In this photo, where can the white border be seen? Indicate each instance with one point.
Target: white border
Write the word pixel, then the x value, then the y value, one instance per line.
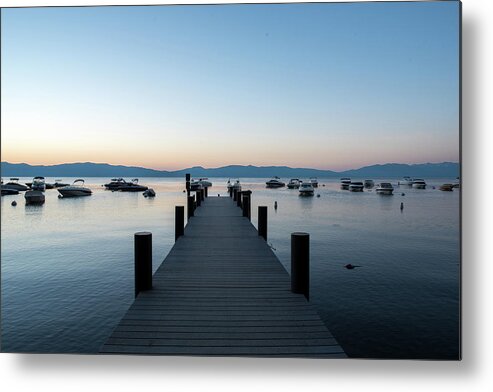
pixel 136 374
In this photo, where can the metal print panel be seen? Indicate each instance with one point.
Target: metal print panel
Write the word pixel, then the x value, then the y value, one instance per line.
pixel 260 180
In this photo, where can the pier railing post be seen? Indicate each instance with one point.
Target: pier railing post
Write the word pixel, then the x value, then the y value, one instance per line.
pixel 190 206
pixel 235 193
pixel 239 196
pixel 262 221
pixel 198 199
pixel 143 261
pixel 246 205
pixel 206 191
pixel 300 264
pixel 187 183
pixel 179 221
pixel 230 190
pixel 202 193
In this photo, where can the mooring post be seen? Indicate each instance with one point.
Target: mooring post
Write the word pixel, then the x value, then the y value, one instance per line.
pixel 246 205
pixel 230 190
pixel 262 221
pixel 202 193
pixel 239 197
pixel 300 264
pixel 179 221
pixel 206 191
pixel 143 261
pixel 190 207
pixel 187 183
pixel 235 192
pixel 198 198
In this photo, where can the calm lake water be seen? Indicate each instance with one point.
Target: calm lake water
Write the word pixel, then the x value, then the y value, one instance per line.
pixel 67 266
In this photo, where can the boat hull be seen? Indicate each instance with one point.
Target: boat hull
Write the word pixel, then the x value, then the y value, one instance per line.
pixel 306 193
pixel 356 189
pixel 34 197
pixel 74 192
pixel 385 191
pixel 419 186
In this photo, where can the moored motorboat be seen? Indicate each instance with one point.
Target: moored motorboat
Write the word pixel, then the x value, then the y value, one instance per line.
pixel 384 188
pixel 200 183
pixel 14 184
pixel 38 184
pixel 356 186
pixel 115 183
pixel 314 182
pixel 446 187
pixel 34 197
pixel 149 193
pixel 132 186
pixel 419 183
pixel 369 184
pixel 306 189
pixel 294 183
pixel 8 191
pixel 405 181
pixel 58 184
pixel 275 182
pixel 75 190
pixel 237 185
pixel 345 181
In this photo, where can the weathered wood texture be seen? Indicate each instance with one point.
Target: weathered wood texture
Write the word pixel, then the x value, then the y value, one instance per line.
pixel 221 291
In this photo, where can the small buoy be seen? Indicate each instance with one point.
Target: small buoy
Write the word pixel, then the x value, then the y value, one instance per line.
pixel 184 190
pixel 403 194
pixel 402 206
pixel 318 195
pixel 60 196
pixel 275 205
pixel 323 184
pixel 432 187
pixel 14 203
pixel 350 266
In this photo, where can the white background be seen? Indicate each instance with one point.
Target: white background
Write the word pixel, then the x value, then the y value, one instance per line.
pixel 473 373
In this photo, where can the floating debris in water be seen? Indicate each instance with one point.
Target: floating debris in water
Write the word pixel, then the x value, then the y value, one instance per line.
pixel 275 205
pixel 350 266
pixel 402 206
pixel 14 203
pixel 403 194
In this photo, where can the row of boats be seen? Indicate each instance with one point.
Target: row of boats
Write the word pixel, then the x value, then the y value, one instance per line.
pixel 35 189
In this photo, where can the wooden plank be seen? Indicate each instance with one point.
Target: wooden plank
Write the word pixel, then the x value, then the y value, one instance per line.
pixel 222 291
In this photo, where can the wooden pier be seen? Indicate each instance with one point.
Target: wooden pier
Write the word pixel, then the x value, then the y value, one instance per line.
pixel 221 291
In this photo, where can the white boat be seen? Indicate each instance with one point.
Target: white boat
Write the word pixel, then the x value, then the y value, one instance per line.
pixel 14 184
pixel 306 189
pixel 345 181
pixel 314 182
pixel 294 183
pixel 385 188
pixel 419 183
pixel 369 184
pixel 275 182
pixel 34 197
pixel 38 184
pixel 356 186
pixel 236 185
pixel 405 181
pixel 75 190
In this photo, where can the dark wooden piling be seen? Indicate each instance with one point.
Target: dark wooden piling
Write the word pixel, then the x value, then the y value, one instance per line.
pixel 143 261
pixel 190 206
pixel 235 193
pixel 198 198
pixel 246 206
pixel 206 190
pixel 230 191
pixel 300 264
pixel 179 221
pixel 187 183
pixel 239 196
pixel 262 221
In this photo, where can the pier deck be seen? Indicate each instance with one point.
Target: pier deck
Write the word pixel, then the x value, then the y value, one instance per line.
pixel 221 291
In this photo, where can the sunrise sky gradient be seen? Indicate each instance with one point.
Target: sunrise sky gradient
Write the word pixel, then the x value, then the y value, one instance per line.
pixel 329 86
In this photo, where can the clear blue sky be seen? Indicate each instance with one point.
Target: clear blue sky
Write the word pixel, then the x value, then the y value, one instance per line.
pixel 332 86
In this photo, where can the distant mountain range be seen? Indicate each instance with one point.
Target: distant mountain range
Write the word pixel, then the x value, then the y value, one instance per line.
pixel 89 169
